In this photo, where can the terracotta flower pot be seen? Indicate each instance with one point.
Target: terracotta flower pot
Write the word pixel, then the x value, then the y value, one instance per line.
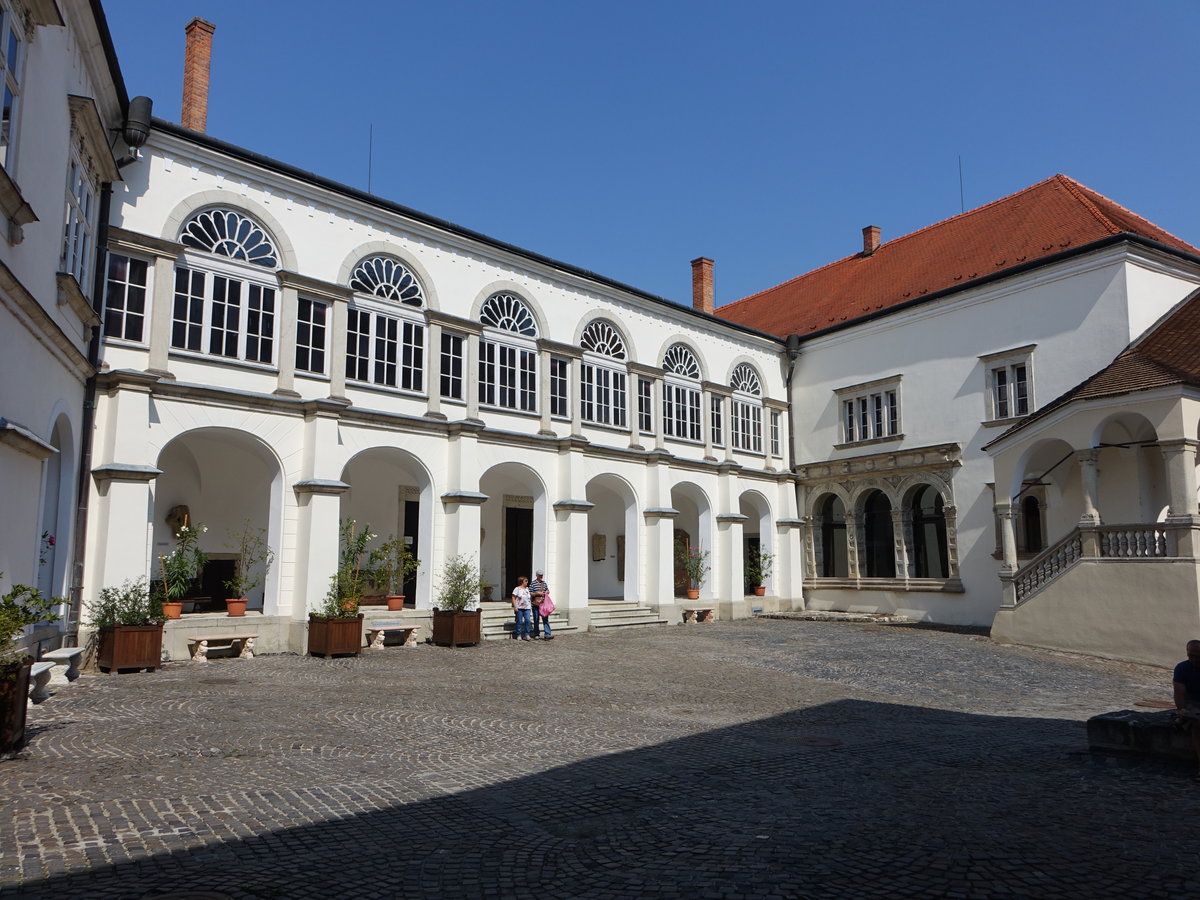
pixel 395 602
pixel 236 606
pixel 172 609
pixel 760 591
pixel 693 594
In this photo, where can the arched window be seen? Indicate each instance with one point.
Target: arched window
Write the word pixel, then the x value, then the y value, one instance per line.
pixel 224 302
pixel 681 393
pixel 508 360
pixel 930 558
pixel 602 383
pixel 385 335
pixel 879 546
pixel 746 409
pixel 834 557
pixel 387 278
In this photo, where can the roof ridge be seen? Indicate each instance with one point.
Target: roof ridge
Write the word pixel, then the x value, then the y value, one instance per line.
pixel 897 240
pixel 1074 189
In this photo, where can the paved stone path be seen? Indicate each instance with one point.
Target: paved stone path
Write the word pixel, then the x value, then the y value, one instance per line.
pixel 748 759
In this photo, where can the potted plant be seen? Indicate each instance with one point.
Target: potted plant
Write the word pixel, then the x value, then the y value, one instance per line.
pixel 694 562
pixel 129 623
pixel 337 627
pixel 392 564
pixel 457 617
pixel 758 569
pixel 179 569
pixel 254 561
pixel 21 607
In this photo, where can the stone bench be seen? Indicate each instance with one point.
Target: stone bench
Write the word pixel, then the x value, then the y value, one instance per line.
pixel 699 614
pixel 39 681
pixel 1139 732
pixel 66 660
pixel 242 644
pixel 379 630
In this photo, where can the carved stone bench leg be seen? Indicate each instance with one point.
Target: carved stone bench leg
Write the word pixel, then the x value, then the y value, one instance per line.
pixel 689 616
pixel 41 686
pixel 706 615
pixel 200 654
pixel 410 638
pixel 377 640
pixel 247 651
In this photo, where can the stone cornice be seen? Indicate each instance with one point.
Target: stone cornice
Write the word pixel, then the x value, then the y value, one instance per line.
pixel 732 517
pixel 103 475
pixel 86 122
pixel 71 295
pixel 559 348
pixel 320 486
pixel 126 241
pixel 30 313
pixel 323 290
pixel 15 208
pixel 660 512
pixel 719 390
pixel 24 441
pixel 455 323
pixel 464 498
pixel 573 506
pixel 43 12
pixel 939 456
pixel 636 368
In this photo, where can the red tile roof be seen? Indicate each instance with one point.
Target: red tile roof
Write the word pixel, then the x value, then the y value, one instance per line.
pixel 1053 216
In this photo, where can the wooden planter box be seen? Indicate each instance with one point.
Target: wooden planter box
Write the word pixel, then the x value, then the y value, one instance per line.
pixel 14 691
pixel 130 647
pixel 453 629
pixel 333 637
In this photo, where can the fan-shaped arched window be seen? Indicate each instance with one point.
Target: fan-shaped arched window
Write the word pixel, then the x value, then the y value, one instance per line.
pixel 602 385
pixel 508 312
pixel 747 409
pixel 388 279
pixel 508 368
pixel 221 309
pixel 227 232
pixel 602 338
pixel 679 360
pixel 681 396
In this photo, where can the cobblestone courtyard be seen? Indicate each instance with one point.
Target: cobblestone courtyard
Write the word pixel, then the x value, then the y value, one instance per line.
pixel 750 759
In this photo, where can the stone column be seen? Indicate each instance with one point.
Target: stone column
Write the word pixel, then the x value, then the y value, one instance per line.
pixel 852 544
pixel 544 427
pixel 433 357
pixel 1180 459
pixel 573 388
pixel 289 310
pixel 730 564
pixel 727 423
pixel 1008 537
pixel 706 423
pixel 319 516
pixel 1090 477
pixel 951 513
pixel 901 535
pixel 656 412
pixel 337 349
pixel 162 313
pixel 471 377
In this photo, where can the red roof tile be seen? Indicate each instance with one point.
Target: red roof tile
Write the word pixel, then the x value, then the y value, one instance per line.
pixel 1053 216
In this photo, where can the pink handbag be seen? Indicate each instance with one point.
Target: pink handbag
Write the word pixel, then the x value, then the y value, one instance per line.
pixel 547 606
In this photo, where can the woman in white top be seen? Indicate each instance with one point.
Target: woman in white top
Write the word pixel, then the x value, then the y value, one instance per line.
pixel 522 607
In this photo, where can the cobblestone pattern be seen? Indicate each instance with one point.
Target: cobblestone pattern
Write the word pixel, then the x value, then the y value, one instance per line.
pixel 747 759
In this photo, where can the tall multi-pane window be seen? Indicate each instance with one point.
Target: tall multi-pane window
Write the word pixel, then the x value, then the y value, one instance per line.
pixel 1010 391
pixel 125 298
pixel 776 437
pixel 80 228
pixel 681 393
pixel 223 305
pixel 312 317
pixel 871 411
pixel 645 413
pixel 507 354
pixel 385 340
pixel 558 387
pixel 715 425
pixel 746 411
pixel 12 52
pixel 602 381
pixel 452 366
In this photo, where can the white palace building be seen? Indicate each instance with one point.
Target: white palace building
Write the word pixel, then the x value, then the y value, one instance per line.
pixel 220 331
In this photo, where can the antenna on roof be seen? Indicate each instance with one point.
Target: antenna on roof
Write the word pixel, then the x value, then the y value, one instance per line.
pixel 370 153
pixel 962 203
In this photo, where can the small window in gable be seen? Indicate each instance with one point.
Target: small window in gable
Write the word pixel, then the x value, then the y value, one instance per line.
pixel 227 232
pixel 387 278
pixel 508 312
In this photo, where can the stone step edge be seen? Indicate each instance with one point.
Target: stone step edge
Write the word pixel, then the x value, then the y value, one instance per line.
pixel 831 616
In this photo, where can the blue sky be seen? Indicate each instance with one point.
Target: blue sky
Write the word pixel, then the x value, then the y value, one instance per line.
pixel 628 138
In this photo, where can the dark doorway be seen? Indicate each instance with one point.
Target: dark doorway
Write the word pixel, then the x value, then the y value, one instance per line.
pixel 683 543
pixel 877 533
pixel 518 547
pixel 212 593
pixel 412 537
pixel 749 551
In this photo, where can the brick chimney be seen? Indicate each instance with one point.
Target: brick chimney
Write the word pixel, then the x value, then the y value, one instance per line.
pixel 870 239
pixel 702 284
pixel 196 58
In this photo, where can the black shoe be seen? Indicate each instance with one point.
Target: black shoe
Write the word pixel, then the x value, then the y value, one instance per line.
pixel 548 637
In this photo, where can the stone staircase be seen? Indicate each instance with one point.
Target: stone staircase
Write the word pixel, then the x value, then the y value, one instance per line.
pixel 606 615
pixel 612 614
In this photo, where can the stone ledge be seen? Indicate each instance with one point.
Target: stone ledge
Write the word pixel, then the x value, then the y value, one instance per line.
pixel 1139 732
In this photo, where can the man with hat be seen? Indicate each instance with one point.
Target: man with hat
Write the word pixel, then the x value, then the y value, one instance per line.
pixel 537 592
